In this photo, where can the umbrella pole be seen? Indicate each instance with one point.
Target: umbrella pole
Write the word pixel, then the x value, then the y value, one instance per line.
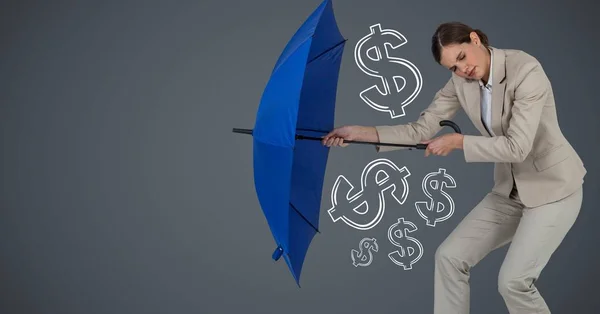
pixel 409 146
pixel 314 138
pixel 442 123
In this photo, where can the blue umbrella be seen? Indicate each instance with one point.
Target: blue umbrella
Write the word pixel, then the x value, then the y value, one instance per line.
pixel 298 103
pixel 299 100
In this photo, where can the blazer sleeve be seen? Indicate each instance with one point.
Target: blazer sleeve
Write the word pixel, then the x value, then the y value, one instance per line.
pixel 531 96
pixel 444 106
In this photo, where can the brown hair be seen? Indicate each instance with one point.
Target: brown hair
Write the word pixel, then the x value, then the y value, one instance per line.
pixel 453 33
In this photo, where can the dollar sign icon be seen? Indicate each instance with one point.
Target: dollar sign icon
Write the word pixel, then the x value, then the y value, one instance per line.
pixel 361 258
pixel 400 79
pixel 440 206
pixel 410 249
pixel 379 179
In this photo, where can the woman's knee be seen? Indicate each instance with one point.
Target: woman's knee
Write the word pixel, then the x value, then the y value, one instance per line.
pixel 511 281
pixel 507 283
pixel 447 251
pixel 448 260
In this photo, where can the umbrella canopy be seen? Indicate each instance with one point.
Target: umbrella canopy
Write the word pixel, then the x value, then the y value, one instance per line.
pixel 298 103
pixel 299 99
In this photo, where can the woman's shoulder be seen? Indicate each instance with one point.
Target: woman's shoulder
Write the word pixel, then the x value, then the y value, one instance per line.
pixel 517 59
pixel 519 63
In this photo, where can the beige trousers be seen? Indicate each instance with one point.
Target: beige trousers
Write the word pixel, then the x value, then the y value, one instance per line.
pixel 535 234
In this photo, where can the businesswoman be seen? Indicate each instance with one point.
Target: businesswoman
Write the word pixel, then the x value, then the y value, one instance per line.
pixel 538 176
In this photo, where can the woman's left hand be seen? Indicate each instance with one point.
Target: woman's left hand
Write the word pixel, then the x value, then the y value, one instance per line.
pixel 443 145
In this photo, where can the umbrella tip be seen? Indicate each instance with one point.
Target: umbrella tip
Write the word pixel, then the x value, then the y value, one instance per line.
pixel 278 252
pixel 243 131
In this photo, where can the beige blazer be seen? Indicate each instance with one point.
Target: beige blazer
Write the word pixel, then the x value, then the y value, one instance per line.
pixel 529 145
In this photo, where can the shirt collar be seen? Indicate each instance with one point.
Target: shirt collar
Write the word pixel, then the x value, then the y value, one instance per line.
pixel 489 83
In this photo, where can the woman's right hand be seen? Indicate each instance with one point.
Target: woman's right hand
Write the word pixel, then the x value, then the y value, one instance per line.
pixel 337 136
pixel 349 133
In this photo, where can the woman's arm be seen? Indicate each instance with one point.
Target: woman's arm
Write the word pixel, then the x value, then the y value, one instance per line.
pixel 444 106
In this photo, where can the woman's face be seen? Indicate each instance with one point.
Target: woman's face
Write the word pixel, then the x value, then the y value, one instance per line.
pixel 468 60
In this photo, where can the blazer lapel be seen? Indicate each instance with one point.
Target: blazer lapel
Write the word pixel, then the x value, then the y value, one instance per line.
pixel 498 87
pixel 473 99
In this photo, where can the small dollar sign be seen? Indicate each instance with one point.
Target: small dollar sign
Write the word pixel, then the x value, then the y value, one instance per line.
pixel 373 56
pixel 378 179
pixel 409 247
pixel 440 206
pixel 361 258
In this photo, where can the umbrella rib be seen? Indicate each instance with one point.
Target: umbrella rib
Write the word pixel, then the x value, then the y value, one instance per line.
pixel 299 213
pixel 326 51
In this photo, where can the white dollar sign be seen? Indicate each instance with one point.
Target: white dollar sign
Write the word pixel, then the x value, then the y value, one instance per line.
pixel 360 258
pixel 440 206
pixel 409 253
pixel 379 180
pixel 372 55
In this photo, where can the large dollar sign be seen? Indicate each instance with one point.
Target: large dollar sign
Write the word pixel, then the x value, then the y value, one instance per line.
pixel 373 56
pixel 378 179
pixel 410 249
pixel 440 206
pixel 361 258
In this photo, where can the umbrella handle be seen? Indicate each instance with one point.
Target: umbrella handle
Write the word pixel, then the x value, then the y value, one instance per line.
pixel 443 123
pixel 451 124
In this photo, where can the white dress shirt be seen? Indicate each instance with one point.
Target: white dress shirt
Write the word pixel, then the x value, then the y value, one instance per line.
pixel 486 100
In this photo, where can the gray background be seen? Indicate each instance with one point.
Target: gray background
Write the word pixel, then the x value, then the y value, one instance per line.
pixel 124 190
